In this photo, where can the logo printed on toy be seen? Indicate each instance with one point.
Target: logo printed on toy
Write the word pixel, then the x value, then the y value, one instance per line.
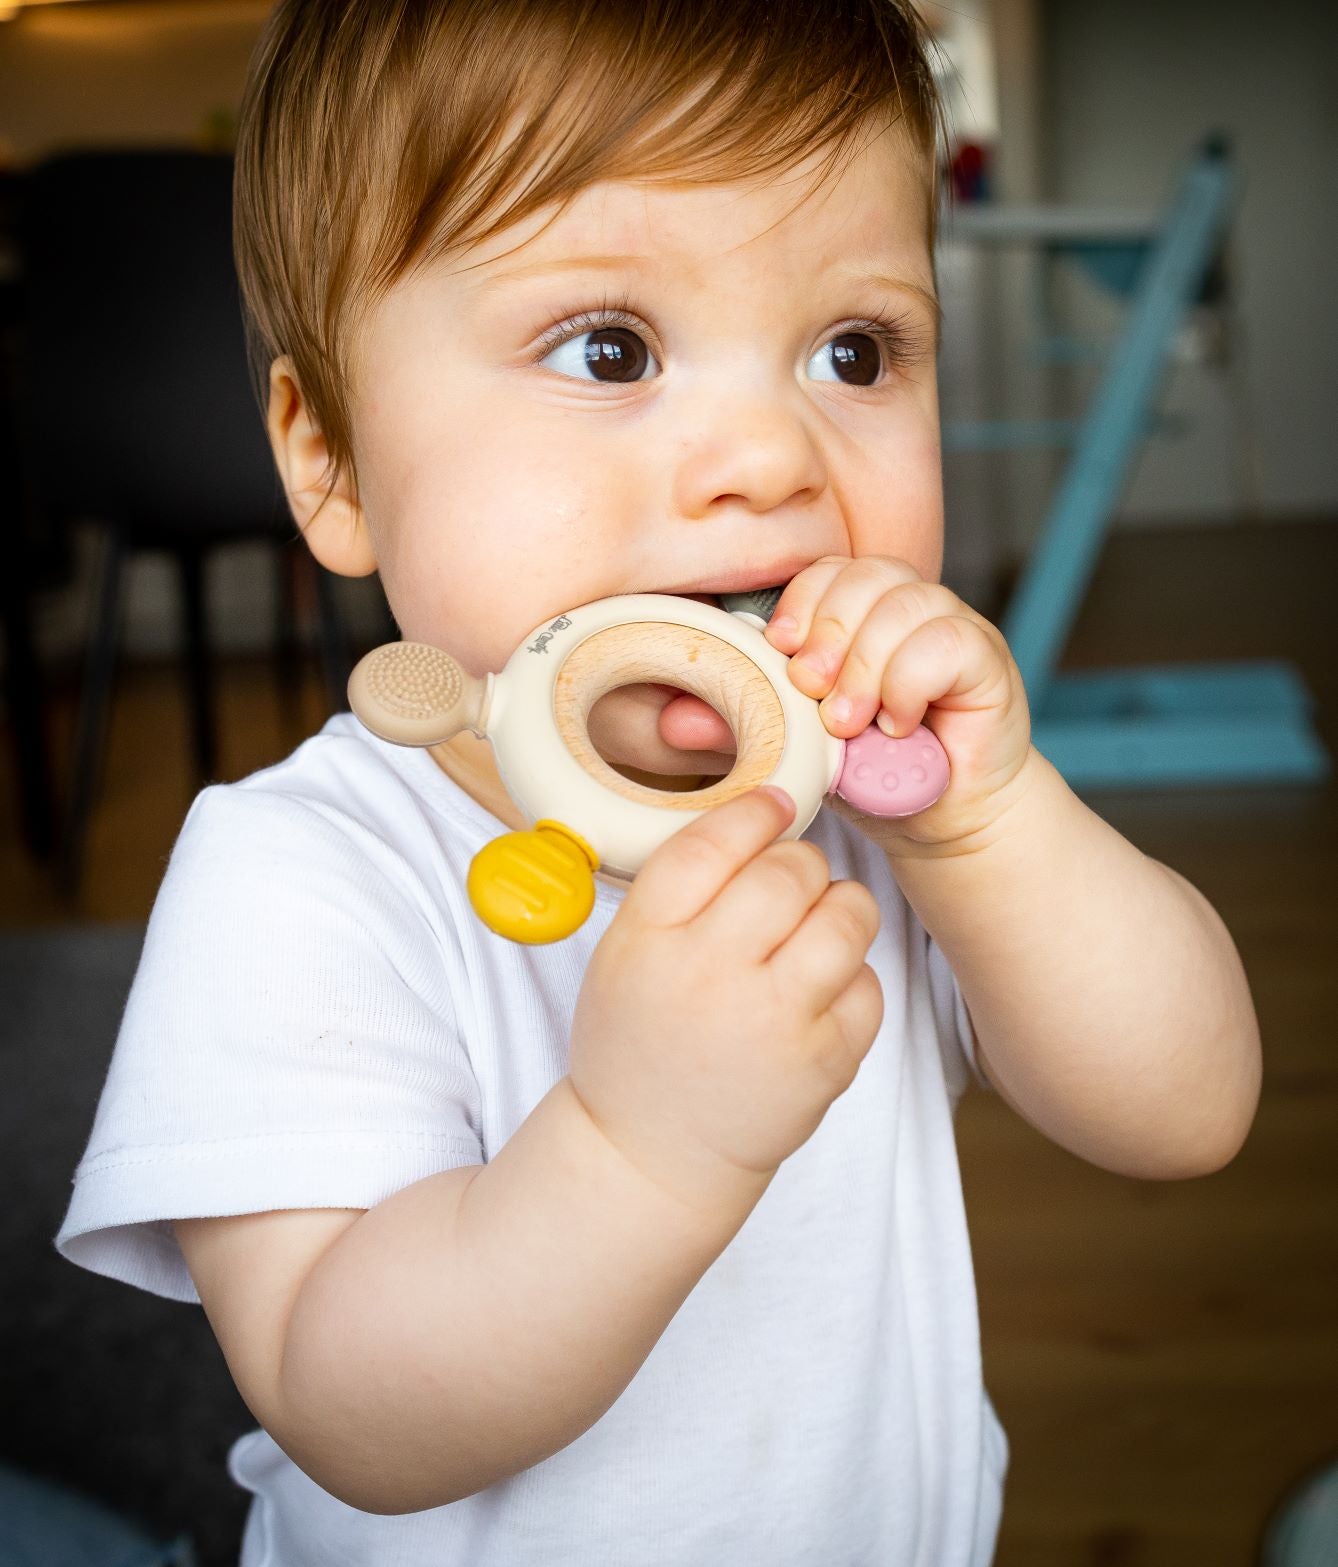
pixel 540 643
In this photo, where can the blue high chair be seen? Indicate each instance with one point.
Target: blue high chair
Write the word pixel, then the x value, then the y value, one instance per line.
pixel 1144 725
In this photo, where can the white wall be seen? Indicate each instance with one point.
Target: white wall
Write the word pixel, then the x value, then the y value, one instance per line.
pixel 1130 88
pixel 994 499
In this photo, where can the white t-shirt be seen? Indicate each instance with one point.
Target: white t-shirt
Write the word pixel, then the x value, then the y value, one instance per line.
pixel 319 1020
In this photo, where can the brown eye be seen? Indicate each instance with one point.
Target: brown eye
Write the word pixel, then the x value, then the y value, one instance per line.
pixel 609 352
pixel 615 354
pixel 855 358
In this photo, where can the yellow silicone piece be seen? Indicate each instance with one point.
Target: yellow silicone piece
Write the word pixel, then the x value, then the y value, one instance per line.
pixel 534 886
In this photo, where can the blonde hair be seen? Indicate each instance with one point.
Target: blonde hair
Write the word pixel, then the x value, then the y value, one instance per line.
pixel 376 134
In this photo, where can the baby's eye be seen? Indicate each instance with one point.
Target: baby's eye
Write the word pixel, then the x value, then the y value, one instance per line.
pixel 608 353
pixel 856 358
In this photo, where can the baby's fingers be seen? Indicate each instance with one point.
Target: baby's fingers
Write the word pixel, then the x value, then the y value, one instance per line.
pixel 824 956
pixel 829 614
pixel 854 1017
pixel 853 702
pixel 767 901
pixel 688 870
pixel 952 661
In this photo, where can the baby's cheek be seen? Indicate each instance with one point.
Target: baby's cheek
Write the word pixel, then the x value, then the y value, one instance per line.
pixel 901 514
pixel 451 603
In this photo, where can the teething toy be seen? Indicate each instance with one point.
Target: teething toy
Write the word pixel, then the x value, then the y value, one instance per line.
pixel 538 886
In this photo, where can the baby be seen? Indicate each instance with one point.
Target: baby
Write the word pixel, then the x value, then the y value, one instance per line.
pixel 645 1248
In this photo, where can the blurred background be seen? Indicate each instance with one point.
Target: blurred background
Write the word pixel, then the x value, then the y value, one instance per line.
pixel 1139 380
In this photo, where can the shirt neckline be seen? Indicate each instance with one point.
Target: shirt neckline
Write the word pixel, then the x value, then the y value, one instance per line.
pixel 429 782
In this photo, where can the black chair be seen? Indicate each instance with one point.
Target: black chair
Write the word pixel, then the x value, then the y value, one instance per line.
pixel 137 411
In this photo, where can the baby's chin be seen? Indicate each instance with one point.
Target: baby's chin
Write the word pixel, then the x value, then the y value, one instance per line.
pixel 663 737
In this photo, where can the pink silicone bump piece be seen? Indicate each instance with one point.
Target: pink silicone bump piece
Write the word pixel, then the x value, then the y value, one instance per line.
pixel 887 777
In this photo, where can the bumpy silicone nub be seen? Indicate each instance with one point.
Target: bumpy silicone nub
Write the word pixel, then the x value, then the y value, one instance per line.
pixel 535 886
pixel 413 694
pixel 888 777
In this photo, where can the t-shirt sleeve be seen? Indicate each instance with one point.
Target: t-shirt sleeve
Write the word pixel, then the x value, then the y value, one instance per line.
pixel 292 1038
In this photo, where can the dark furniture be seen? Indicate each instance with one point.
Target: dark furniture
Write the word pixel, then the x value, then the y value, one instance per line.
pixel 136 411
pixel 119 1395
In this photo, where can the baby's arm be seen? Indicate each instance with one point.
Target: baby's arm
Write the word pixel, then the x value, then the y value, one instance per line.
pixel 1110 1006
pixel 1109 1002
pixel 468 1326
pixel 481 1319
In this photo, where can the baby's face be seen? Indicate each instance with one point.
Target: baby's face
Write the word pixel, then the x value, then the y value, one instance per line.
pixel 673 389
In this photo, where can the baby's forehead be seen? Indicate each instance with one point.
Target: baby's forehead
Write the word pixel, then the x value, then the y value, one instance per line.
pixel 874 207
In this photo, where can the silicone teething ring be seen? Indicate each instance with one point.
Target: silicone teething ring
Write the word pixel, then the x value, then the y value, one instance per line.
pixel 542 699
pixel 538 885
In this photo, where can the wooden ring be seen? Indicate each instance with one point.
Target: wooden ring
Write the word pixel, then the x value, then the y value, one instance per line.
pixel 703 664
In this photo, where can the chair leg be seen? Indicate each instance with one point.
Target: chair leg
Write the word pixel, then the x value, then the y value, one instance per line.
pixel 199 687
pixel 94 705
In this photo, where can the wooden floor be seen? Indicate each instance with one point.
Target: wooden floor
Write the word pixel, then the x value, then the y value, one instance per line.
pixel 1164 1357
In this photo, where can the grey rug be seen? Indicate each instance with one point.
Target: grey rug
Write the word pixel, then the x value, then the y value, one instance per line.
pixel 106 1389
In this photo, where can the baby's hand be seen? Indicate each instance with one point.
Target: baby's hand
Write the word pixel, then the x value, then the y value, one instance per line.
pixel 874 641
pixel 727 1004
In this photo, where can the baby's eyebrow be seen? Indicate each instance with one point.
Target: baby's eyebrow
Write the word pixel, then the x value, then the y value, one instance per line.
pixel 566 264
pixel 878 281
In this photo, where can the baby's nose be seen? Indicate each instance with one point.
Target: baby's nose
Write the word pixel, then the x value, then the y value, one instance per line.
pixel 757 455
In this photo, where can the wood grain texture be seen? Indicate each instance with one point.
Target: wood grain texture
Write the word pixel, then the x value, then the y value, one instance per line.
pixel 683 656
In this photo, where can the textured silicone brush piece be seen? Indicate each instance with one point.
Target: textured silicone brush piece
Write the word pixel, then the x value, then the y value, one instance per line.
pixel 413 694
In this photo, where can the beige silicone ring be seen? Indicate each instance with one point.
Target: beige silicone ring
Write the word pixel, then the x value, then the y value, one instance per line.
pixel 540 705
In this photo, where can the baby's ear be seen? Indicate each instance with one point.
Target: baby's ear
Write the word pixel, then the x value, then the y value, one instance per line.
pixel 328 518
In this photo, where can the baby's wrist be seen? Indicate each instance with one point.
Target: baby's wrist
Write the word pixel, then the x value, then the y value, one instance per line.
pixel 1010 810
pixel 706 1193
